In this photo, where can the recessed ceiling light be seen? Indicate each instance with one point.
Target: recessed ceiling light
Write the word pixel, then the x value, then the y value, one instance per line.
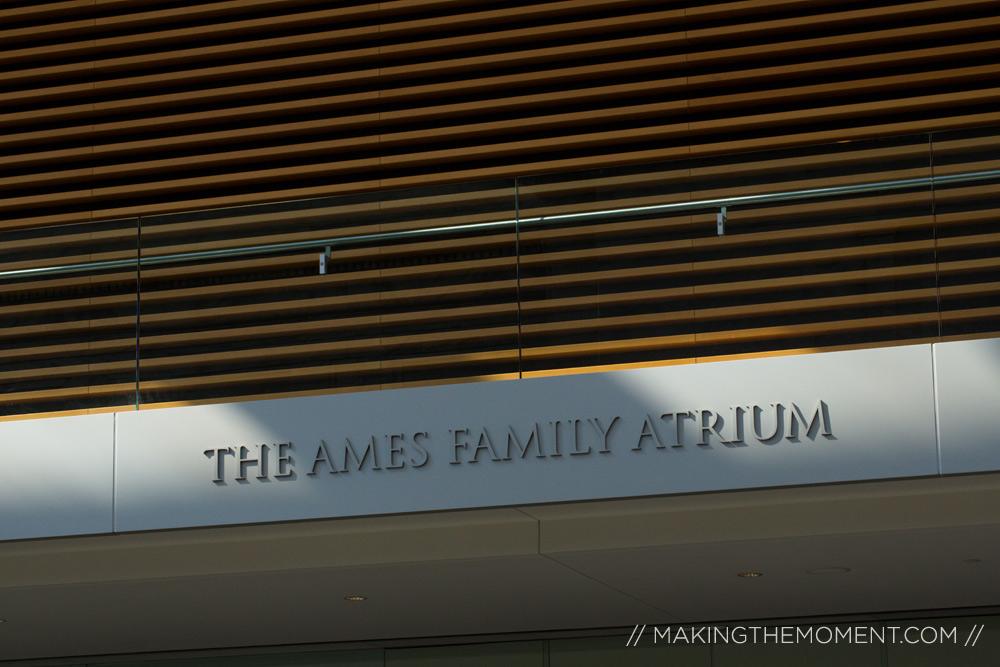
pixel 750 574
pixel 355 598
pixel 829 570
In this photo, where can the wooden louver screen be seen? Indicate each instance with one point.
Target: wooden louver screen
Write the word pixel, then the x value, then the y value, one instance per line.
pixel 122 108
pixel 624 289
pixel 137 113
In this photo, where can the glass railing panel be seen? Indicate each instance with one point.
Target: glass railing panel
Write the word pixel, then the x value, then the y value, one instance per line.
pixel 830 267
pixel 822 248
pixel 67 336
pixel 389 311
pixel 968 231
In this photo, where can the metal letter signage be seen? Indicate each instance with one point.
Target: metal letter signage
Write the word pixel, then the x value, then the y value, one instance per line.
pixel 728 425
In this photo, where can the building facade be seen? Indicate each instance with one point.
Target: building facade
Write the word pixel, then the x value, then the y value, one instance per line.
pixel 532 324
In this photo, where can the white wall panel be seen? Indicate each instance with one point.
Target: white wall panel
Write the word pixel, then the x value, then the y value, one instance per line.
pixel 967 376
pixel 56 476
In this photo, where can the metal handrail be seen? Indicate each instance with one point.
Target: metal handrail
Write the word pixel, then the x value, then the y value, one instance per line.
pixel 539 221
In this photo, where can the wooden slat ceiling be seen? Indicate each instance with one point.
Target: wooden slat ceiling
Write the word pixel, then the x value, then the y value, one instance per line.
pixel 117 110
